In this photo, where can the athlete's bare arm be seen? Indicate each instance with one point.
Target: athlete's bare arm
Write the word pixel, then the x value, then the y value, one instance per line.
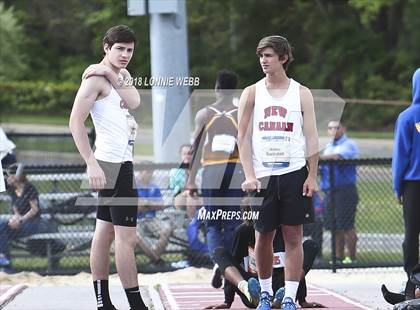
pixel 245 119
pixel 88 92
pixel 127 92
pixel 201 119
pixel 311 135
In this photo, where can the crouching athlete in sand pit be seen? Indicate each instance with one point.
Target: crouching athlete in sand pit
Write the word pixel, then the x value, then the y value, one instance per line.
pixel 240 272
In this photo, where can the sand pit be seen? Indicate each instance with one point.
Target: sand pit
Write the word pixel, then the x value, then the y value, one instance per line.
pixel 187 275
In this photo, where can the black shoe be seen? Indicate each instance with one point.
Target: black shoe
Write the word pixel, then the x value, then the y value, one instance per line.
pixel 217 280
pixel 390 297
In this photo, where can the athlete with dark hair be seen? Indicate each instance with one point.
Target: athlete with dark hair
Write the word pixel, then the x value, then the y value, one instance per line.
pixel 104 94
pixel 216 145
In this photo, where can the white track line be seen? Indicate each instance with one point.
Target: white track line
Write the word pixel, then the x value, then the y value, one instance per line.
pixel 198 293
pixel 190 286
pixel 10 294
pixel 345 299
pixel 156 300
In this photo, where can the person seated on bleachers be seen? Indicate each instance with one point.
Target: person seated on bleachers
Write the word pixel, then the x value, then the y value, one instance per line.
pixel 26 218
pixel 177 181
pixel 150 201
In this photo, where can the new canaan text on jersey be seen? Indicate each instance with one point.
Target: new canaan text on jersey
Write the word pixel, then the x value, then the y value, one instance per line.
pixel 275 126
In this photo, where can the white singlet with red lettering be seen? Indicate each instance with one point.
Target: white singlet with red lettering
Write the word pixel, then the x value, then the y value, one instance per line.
pixel 278 143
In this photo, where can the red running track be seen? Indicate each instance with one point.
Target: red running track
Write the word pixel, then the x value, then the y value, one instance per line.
pixel 198 296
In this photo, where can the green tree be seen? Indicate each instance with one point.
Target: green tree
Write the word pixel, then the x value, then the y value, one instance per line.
pixel 12 54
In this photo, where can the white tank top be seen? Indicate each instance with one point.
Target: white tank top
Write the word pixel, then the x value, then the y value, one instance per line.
pixel 115 129
pixel 278 143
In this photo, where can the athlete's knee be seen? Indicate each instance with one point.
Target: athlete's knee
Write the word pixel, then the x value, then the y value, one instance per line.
pixel 104 237
pixel 292 241
pixel 292 235
pixel 128 238
pixel 264 237
pixel 131 241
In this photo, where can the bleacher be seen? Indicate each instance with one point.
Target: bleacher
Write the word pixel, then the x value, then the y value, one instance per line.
pixel 76 226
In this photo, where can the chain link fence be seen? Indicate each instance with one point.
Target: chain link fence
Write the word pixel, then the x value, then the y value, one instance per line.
pixel 62 246
pixel 62 243
pixel 368 212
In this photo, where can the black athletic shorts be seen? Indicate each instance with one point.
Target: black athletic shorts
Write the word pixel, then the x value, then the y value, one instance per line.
pixel 118 201
pixel 283 202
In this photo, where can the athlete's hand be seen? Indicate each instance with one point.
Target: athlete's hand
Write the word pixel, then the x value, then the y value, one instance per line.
pixel 96 69
pixel 251 185
pixel 311 304
pixel 124 78
pixel 14 221
pixel 219 306
pixel 125 74
pixel 192 189
pixel 309 187
pixel 96 176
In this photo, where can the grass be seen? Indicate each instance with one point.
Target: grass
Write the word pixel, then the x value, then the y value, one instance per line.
pixel 372 257
pixel 378 210
pixel 371 134
pixel 62 145
pixel 36 119
pixel 66 145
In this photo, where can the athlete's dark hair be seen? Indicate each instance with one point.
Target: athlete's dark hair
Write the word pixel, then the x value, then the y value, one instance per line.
pixel 119 34
pixel 281 47
pixel 226 79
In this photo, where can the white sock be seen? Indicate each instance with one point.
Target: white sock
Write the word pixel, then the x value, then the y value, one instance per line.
pixel 266 285
pixel 215 267
pixel 290 289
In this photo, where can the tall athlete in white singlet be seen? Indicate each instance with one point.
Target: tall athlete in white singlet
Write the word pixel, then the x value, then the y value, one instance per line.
pixel 278 147
pixel 107 98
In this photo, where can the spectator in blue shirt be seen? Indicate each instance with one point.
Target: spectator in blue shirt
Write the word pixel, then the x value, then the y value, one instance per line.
pixel 150 201
pixel 341 191
pixel 406 173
